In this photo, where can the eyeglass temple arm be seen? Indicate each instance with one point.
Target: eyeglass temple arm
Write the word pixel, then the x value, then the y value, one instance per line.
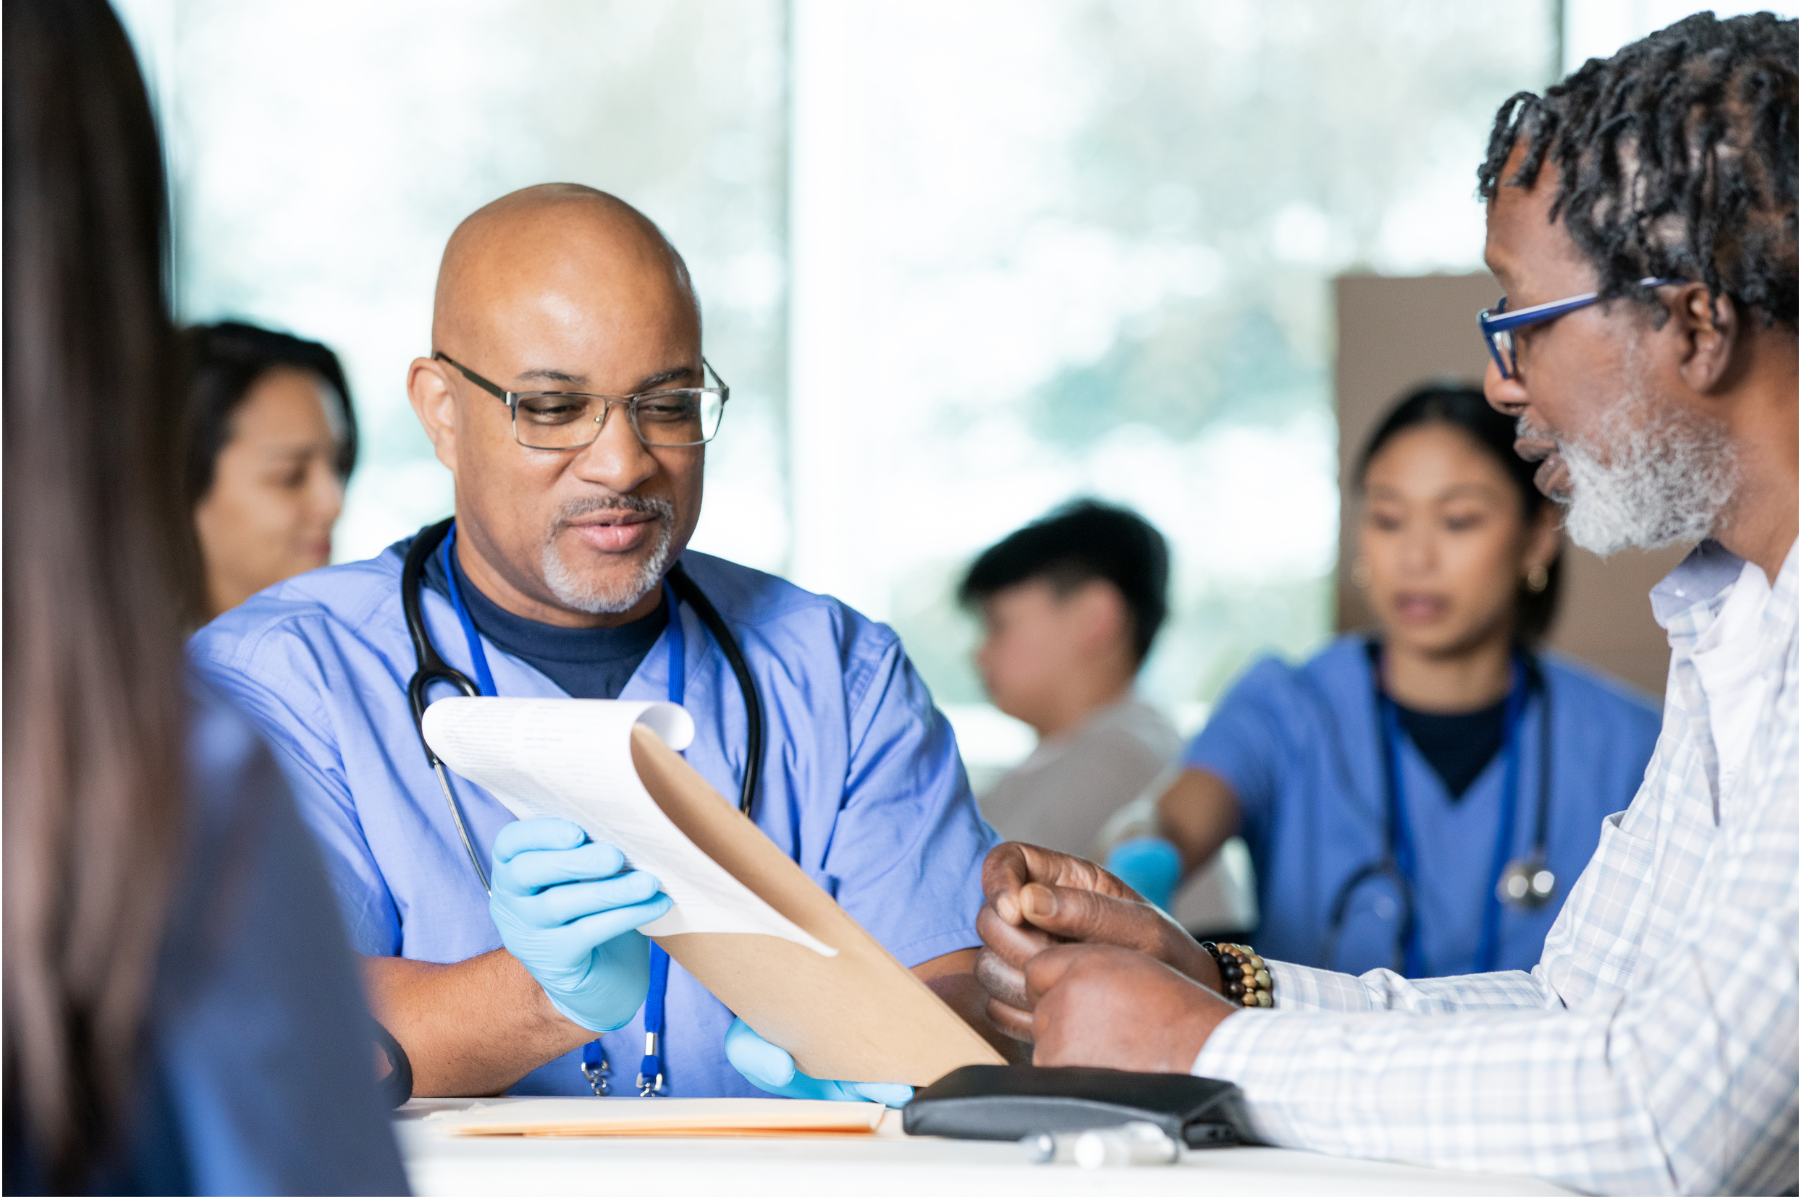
pixel 724 388
pixel 1501 322
pixel 492 389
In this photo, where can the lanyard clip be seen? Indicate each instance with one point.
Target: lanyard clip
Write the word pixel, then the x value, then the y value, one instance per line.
pixel 650 1076
pixel 595 1067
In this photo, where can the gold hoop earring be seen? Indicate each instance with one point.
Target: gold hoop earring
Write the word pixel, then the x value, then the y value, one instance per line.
pixel 1360 574
pixel 1537 579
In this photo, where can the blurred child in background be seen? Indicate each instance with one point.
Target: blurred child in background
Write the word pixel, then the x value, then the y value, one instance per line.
pixel 1070 605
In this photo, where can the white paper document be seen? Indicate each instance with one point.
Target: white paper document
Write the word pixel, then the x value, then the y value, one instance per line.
pixel 572 759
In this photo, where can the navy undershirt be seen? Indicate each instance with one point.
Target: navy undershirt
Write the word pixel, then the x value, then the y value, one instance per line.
pixel 1458 746
pixel 589 664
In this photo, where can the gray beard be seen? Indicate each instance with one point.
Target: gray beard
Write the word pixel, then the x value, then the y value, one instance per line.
pixel 583 595
pixel 1655 475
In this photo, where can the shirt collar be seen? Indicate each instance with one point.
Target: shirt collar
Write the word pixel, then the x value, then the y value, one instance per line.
pixel 1701 577
pixel 1691 595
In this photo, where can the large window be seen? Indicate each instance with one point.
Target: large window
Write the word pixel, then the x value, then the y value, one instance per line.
pixel 1084 248
pixel 960 261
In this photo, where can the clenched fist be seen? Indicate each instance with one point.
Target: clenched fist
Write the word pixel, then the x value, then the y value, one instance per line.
pixel 1038 899
pixel 1105 1006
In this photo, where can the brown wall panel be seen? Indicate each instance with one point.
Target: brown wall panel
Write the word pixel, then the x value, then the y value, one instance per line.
pixel 1393 333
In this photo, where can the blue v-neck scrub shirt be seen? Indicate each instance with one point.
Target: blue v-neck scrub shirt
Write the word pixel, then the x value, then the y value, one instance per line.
pixel 1301 747
pixel 861 785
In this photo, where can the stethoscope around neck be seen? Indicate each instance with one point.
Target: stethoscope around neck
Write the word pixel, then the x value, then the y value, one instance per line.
pixel 432 670
pixel 1525 883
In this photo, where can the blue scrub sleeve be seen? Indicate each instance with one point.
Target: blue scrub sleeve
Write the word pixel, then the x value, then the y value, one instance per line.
pixel 1249 742
pixel 279 681
pixel 906 854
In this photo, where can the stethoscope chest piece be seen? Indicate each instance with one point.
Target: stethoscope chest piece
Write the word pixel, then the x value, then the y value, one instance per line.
pixel 1526 883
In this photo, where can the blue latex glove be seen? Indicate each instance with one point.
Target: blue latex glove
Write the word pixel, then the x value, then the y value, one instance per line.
pixel 772 1069
pixel 1151 866
pixel 564 910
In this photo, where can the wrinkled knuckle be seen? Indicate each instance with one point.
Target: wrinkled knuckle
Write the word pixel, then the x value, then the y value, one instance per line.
pixel 998 977
pixel 1016 952
pixel 1090 908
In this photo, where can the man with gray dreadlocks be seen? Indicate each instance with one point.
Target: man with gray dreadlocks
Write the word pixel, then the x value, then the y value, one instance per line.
pixel 1641 218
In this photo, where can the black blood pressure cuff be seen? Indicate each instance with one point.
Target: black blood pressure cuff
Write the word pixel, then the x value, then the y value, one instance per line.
pixel 1008 1103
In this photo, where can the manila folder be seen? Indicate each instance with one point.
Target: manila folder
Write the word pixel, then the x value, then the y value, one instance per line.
pixel 859 1015
pixel 747 922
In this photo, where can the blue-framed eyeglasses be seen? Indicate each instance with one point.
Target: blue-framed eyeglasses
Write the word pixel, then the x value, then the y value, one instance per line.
pixel 1497 325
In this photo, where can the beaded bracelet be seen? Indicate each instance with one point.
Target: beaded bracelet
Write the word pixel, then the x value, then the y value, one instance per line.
pixel 1243 975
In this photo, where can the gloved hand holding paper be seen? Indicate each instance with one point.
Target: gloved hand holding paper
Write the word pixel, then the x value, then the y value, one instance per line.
pixel 745 920
pixel 571 759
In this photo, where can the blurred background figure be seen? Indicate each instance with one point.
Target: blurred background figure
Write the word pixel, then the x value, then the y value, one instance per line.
pixel 1420 797
pixel 181 1011
pixel 271 440
pixel 1069 606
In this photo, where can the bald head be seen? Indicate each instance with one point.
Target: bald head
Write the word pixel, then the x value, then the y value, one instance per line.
pixel 562 289
pixel 549 238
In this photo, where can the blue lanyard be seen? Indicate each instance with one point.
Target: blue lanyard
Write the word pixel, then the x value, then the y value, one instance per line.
pixel 650 1072
pixel 593 1055
pixel 1487 953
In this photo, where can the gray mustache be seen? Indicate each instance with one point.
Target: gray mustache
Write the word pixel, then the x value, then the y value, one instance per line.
pixel 655 505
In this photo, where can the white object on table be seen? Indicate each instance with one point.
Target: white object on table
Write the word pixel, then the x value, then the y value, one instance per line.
pixel 886 1163
pixel 1133 1144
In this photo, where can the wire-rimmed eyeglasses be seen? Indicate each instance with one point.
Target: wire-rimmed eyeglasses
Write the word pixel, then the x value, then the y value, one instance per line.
pixel 571 420
pixel 1497 325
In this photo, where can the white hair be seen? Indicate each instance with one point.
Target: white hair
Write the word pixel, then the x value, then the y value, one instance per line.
pixel 594 596
pixel 1650 475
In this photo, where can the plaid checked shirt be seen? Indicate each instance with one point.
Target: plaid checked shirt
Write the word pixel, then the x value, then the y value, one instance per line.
pixel 1653 1047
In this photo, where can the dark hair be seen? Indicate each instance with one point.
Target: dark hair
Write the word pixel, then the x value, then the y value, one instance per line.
pixel 225 361
pixel 1465 408
pixel 1082 541
pixel 96 548
pixel 1676 159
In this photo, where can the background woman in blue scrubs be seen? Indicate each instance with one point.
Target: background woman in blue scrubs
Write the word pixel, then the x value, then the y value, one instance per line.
pixel 182 1014
pixel 269 443
pixel 1458 555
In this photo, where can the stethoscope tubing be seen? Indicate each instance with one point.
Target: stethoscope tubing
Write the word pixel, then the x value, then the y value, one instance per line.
pixel 432 669
pixel 1397 862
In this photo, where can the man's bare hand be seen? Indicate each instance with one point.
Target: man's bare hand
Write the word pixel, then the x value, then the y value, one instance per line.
pixel 1038 898
pixel 1105 1006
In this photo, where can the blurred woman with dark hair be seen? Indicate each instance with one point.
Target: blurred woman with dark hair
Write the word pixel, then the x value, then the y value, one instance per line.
pixel 181 1010
pixel 1419 797
pixel 271 439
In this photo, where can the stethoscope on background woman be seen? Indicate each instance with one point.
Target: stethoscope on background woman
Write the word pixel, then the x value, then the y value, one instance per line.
pixel 432 669
pixel 1525 883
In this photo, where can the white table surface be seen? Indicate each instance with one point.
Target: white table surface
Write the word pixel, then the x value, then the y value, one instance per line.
pixel 886 1164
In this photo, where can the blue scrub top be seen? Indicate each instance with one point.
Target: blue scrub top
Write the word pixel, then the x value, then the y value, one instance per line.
pixel 1301 747
pixel 861 782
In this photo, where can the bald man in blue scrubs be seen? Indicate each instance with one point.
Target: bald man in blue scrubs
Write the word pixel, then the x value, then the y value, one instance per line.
pixel 557 560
